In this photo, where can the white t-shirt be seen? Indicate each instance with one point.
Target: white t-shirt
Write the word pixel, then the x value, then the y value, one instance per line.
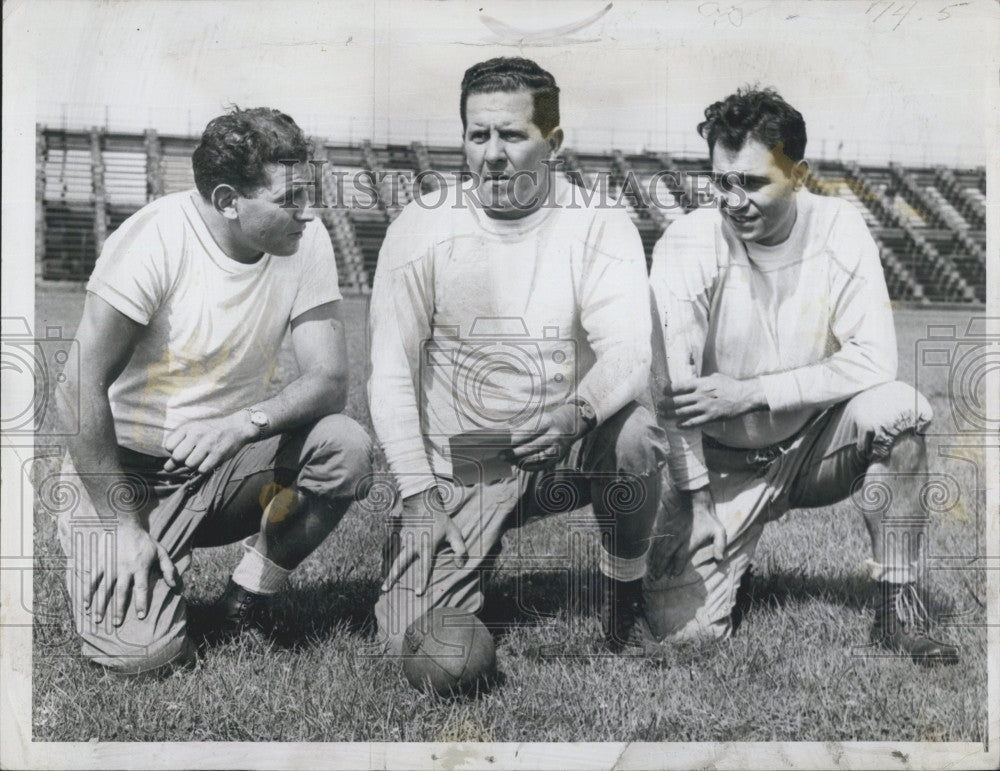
pixel 213 325
pixel 810 318
pixel 479 323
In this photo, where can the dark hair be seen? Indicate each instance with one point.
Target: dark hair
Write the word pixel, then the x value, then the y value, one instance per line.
pixel 760 114
pixel 511 73
pixel 236 147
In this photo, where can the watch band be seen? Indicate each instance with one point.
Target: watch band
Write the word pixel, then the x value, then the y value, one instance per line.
pixel 585 411
pixel 258 419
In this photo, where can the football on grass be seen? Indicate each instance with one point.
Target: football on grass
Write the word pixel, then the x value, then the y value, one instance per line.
pixel 448 652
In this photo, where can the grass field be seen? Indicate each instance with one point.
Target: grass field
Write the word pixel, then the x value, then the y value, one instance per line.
pixel 797 669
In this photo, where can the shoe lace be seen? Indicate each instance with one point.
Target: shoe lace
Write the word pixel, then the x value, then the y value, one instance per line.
pixel 910 609
pixel 638 632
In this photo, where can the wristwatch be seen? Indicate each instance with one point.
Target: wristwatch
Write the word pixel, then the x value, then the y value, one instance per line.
pixel 259 419
pixel 585 412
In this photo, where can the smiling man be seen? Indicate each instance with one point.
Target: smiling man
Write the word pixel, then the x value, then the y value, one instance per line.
pixel 781 353
pixel 187 436
pixel 509 360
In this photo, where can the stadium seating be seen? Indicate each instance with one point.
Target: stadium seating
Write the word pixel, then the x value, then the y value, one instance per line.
pixel 175 164
pixel 929 223
pixel 350 260
pixel 68 169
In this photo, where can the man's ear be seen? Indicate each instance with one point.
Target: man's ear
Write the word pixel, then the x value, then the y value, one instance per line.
pixel 800 172
pixel 555 139
pixel 224 201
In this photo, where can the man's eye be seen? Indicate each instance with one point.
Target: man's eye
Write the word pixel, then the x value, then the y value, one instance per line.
pixel 724 182
pixel 753 184
pixel 478 137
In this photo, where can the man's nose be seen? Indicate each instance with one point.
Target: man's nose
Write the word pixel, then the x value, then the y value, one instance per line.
pixel 734 198
pixel 495 154
pixel 304 211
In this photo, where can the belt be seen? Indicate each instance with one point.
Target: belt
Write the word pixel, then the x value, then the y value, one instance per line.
pixel 722 457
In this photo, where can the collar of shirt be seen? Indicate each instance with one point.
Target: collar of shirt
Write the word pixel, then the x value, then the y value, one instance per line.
pixel 792 249
pixel 558 197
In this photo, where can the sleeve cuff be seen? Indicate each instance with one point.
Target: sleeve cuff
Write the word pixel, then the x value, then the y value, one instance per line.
pixel 313 303
pixel 688 477
pixel 629 389
pixel 411 484
pixel 695 482
pixel 118 300
pixel 781 391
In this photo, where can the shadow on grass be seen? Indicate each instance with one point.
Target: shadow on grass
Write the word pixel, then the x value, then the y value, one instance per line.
pixel 784 588
pixel 529 598
pixel 306 615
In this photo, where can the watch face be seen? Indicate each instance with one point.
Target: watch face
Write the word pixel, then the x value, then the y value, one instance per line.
pixel 258 418
pixel 585 410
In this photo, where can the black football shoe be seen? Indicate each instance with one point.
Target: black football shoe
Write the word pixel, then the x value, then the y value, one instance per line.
pixel 235 613
pixel 623 620
pixel 902 624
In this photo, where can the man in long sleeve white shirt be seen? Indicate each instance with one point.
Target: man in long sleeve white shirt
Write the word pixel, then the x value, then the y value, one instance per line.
pixel 508 355
pixel 781 355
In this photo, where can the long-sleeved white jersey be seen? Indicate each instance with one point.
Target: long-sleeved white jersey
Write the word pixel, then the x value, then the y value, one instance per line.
pixel 478 323
pixel 809 318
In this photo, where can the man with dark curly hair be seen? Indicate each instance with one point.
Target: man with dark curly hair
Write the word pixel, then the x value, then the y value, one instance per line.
pixel 191 432
pixel 781 354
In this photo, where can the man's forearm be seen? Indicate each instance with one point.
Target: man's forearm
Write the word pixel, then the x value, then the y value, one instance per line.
pixel 309 397
pixel 753 394
pixel 94 452
pixel 821 384
pixel 616 379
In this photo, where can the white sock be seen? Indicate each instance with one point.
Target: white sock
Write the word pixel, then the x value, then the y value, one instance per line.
pixel 622 568
pixel 892 574
pixel 257 574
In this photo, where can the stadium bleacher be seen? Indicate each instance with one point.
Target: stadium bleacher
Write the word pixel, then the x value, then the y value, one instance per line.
pixel 929 223
pixel 70 232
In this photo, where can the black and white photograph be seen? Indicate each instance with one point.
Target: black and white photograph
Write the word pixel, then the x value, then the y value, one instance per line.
pixel 451 384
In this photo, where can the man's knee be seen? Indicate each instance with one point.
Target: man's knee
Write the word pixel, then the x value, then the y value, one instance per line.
pixel 153 645
pixel 338 456
pixel 154 660
pixel 682 608
pixel 389 633
pixel 395 611
pixel 888 416
pixel 639 442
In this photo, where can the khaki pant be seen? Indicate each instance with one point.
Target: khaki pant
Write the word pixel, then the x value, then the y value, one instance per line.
pixel 819 467
pixel 329 459
pixel 627 446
